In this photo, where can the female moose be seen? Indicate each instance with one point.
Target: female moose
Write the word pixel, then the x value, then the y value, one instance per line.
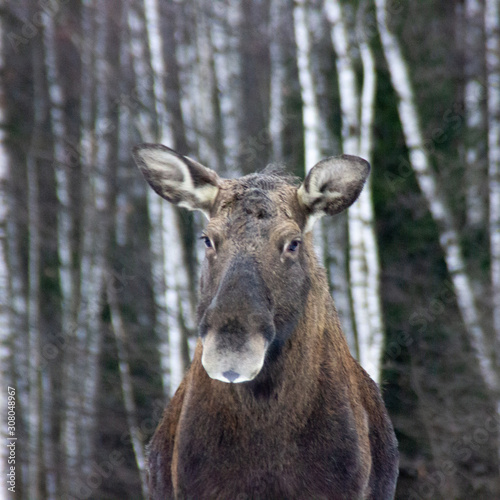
pixel 273 405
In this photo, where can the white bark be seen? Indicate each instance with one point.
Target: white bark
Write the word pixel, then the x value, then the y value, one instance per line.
pixel 173 268
pixel 95 240
pixel 185 50
pixel 204 81
pixel 357 121
pixel 278 75
pixel 146 129
pixel 371 357
pixel 35 424
pixel 64 228
pixel 310 112
pixel 224 37
pixel 19 363
pixel 349 106
pixel 474 111
pixel 349 99
pixel 177 300
pixel 58 131
pixel 34 344
pixel 75 369
pixel 448 237
pixel 6 323
pixel 492 27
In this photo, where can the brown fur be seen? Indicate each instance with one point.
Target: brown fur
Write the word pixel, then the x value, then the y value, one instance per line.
pixel 311 424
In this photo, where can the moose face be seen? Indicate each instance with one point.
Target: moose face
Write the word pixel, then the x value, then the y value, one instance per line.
pixel 254 278
pixel 259 255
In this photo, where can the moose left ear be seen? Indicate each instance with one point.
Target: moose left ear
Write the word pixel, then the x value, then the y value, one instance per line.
pixel 177 178
pixel 332 185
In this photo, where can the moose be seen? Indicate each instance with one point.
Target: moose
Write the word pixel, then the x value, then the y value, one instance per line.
pixel 273 405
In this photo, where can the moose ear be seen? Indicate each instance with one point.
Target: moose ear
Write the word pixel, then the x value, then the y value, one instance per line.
pixel 332 185
pixel 177 178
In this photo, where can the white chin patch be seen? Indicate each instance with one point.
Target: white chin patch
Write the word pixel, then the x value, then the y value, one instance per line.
pixel 241 365
pixel 231 377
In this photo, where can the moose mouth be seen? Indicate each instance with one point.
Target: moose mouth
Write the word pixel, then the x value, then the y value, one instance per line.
pixel 233 363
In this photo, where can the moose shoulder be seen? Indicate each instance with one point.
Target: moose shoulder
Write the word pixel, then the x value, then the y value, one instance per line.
pixel 273 405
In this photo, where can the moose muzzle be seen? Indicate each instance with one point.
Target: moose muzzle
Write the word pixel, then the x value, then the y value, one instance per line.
pixel 237 327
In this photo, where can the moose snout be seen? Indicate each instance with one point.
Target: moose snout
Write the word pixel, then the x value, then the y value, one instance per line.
pixel 237 327
pixel 233 352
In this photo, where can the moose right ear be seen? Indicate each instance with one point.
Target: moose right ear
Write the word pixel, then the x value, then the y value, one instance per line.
pixel 177 178
pixel 331 186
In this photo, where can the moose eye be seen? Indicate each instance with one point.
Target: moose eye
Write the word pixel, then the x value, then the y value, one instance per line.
pixel 293 246
pixel 207 241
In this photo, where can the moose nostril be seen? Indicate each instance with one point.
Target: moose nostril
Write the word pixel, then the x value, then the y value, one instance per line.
pixel 231 375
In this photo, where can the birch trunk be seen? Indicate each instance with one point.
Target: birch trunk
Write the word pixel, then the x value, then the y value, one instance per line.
pixel 35 450
pixel 122 238
pixel 64 229
pixel 178 296
pixel 349 106
pixel 278 76
pixel 375 342
pixel 473 35
pixel 34 345
pixel 253 107
pixel 102 171
pixel 6 323
pixel 187 124
pixel 448 234
pixel 206 99
pixel 165 135
pixel 356 139
pixel 177 301
pixel 492 26
pixel 310 112
pixel 227 66
pixel 95 241
pixel 146 130
pixel 75 368
pixel 19 362
pixel 331 233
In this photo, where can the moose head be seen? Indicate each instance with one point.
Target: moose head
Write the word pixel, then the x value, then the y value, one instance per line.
pixel 259 252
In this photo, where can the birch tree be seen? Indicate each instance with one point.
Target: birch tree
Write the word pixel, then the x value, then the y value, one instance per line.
pixel 357 120
pixel 64 223
pixel 227 65
pixel 76 333
pixel 145 125
pixel 373 345
pixel 206 98
pixel 163 212
pixel 5 291
pixel 278 81
pixel 334 233
pixel 492 28
pixel 441 212
pixel 95 237
pixel 172 92
pixel 310 112
pixel 473 34
pixel 35 453
pixel 349 106
pixel 177 301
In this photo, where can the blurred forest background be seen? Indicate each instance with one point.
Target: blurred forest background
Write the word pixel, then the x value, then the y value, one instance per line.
pixel 98 276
